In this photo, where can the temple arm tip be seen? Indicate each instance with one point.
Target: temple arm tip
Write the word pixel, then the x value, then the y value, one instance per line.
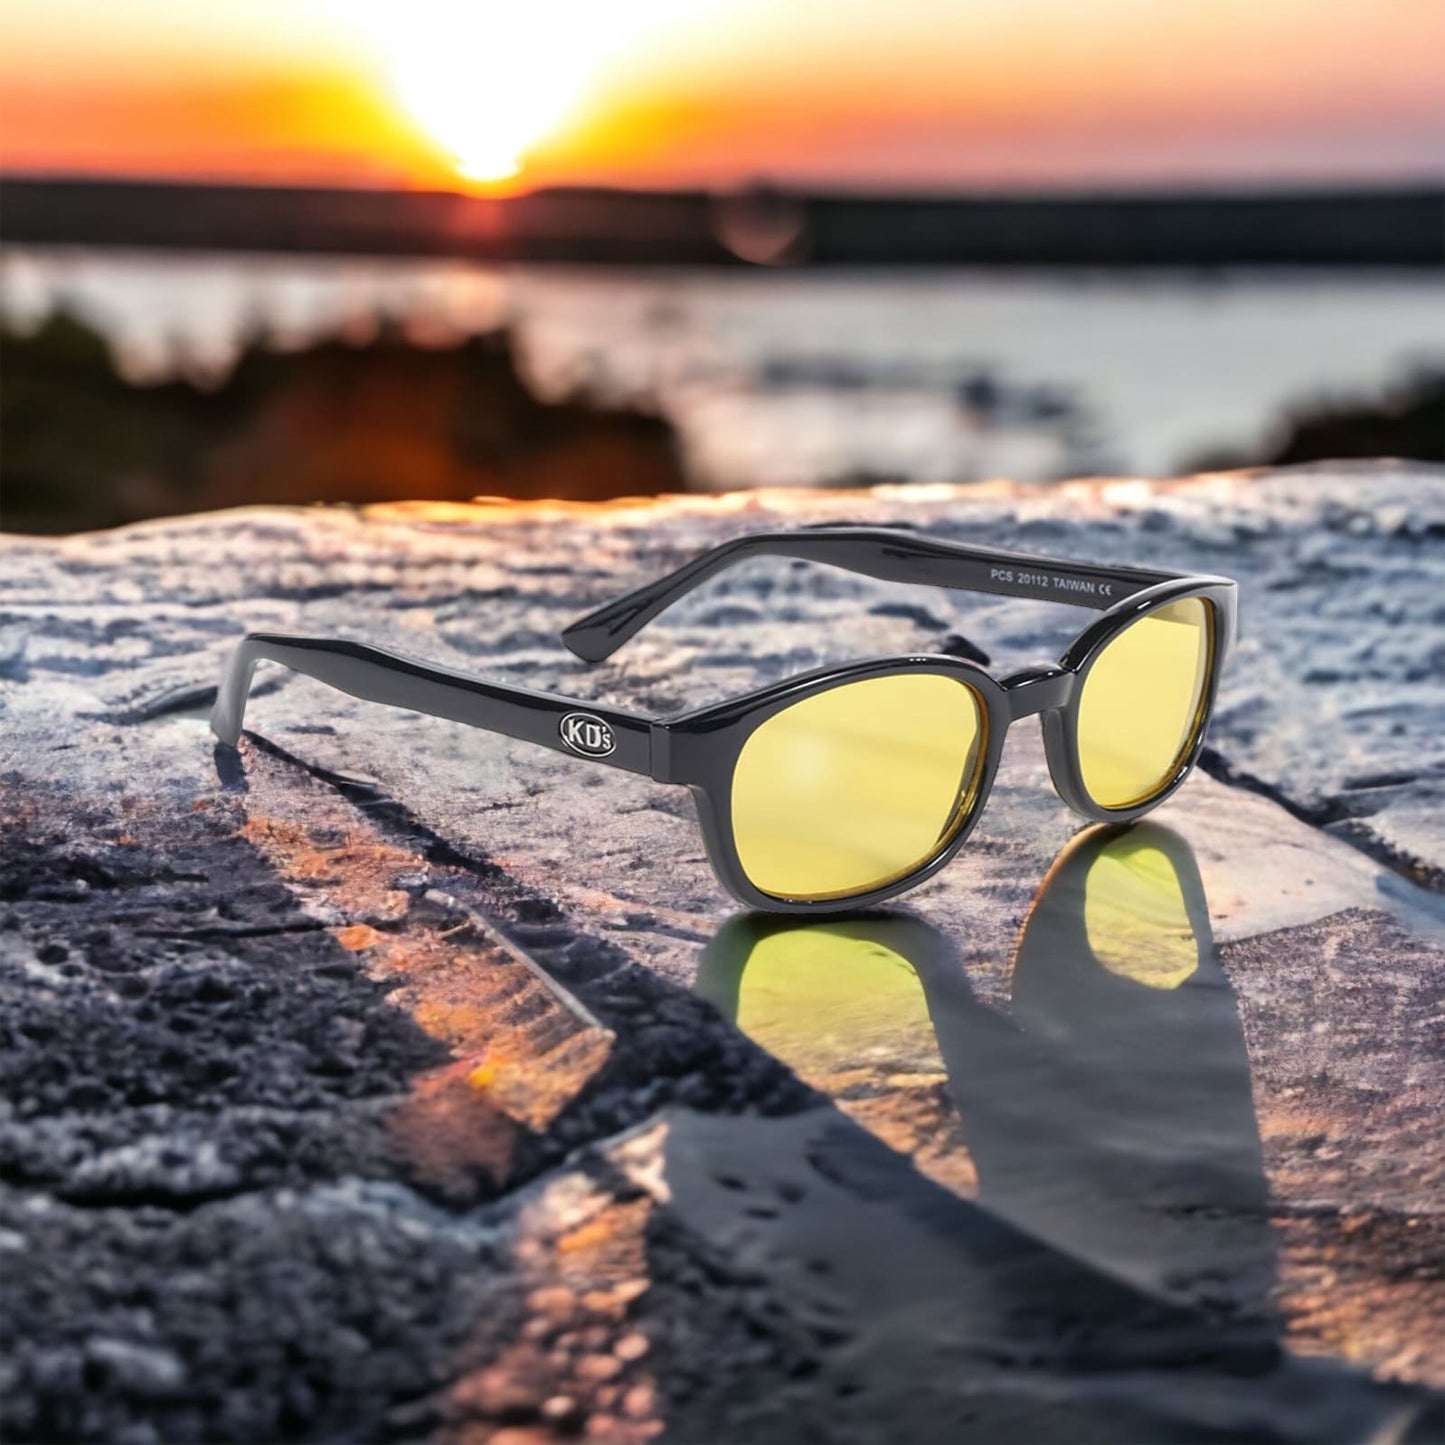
pixel 228 714
pixel 226 729
pixel 582 640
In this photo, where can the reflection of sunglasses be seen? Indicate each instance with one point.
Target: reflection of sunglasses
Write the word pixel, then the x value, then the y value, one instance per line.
pixel 1118 907
pixel 853 783
pixel 1109 1110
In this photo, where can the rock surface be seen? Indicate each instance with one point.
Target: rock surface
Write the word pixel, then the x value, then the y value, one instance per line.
pixel 388 1080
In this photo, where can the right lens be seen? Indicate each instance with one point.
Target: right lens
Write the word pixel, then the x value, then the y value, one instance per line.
pixel 853 788
pixel 1141 703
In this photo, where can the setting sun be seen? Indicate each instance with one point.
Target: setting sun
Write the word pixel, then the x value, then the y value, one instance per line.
pixel 512 95
pixel 487 84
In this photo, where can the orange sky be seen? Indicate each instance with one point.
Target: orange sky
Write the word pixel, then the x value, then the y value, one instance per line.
pixel 904 93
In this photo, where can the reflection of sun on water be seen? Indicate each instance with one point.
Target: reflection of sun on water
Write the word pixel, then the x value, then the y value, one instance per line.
pixel 488 81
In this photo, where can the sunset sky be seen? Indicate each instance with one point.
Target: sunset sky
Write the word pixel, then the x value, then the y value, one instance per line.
pixel 860 93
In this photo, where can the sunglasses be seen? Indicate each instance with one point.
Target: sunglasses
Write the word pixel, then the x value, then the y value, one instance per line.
pixel 850 784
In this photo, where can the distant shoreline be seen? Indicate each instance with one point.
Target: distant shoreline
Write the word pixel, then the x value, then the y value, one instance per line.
pixel 1359 227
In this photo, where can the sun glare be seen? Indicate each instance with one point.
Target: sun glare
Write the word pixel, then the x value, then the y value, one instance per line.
pixel 487 81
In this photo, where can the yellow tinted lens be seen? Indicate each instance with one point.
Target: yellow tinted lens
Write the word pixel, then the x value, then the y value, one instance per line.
pixel 1140 704
pixel 852 788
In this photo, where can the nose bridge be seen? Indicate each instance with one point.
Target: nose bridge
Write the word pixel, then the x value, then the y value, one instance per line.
pixel 1038 689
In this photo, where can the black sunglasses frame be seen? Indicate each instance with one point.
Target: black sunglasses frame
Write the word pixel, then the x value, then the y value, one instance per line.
pixel 700 749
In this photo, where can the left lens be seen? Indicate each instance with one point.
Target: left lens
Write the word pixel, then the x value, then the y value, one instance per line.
pixel 1142 702
pixel 854 788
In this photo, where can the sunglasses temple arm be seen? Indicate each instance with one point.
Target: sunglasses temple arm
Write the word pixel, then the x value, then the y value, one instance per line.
pixel 880 552
pixel 374 674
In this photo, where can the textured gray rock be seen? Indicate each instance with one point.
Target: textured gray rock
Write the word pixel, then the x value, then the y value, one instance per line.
pixel 358 1084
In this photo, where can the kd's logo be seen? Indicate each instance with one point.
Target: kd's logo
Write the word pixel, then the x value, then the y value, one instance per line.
pixel 587 735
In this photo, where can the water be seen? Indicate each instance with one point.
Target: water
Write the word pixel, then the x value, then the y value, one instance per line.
pixel 811 378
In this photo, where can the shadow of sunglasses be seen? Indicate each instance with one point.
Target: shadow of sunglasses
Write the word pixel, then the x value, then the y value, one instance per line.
pixel 1107 1109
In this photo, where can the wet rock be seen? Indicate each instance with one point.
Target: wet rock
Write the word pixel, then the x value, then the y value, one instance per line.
pixel 137 1369
pixel 389 1080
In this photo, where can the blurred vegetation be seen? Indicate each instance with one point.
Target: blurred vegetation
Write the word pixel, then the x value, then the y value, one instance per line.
pixel 81 447
pixel 1407 420
pixel 85 448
